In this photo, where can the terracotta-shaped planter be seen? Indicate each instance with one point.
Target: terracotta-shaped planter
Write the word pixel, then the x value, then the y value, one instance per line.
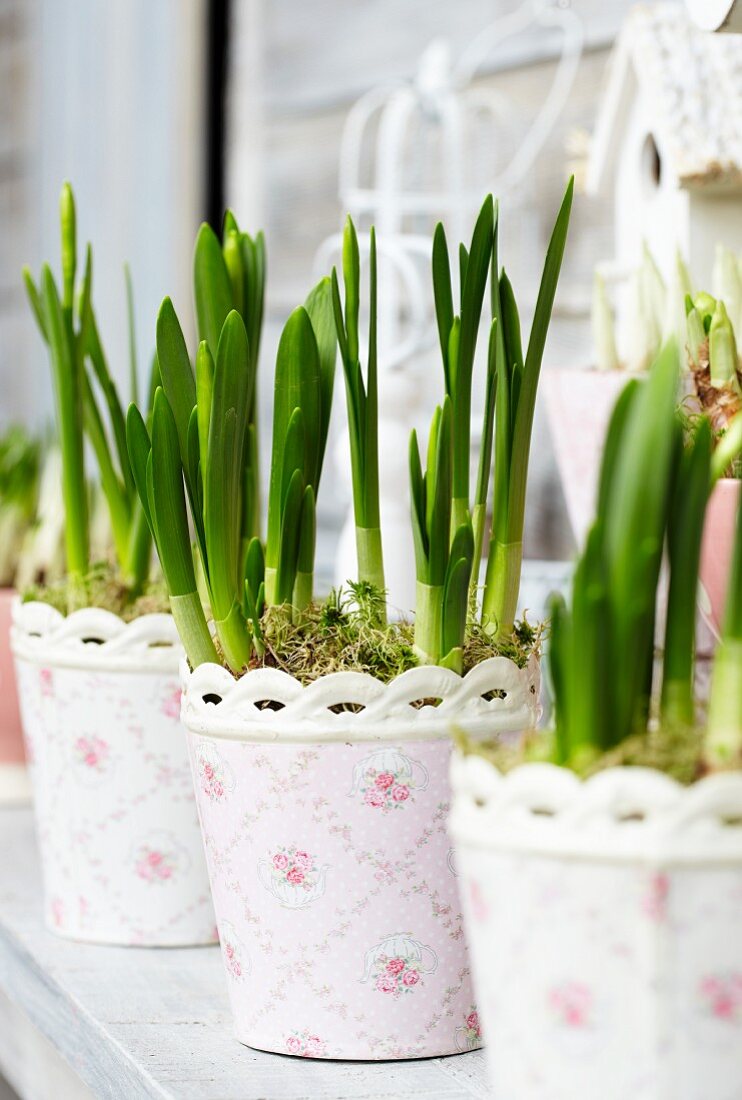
pixel 604 924
pixel 579 403
pixel 716 550
pixel 334 881
pixel 116 818
pixel 15 788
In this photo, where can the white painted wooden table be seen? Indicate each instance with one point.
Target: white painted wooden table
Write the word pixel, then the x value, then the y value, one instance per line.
pixel 78 1021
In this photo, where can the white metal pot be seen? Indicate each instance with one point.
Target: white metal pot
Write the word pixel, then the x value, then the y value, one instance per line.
pixel 604 920
pixel 331 868
pixel 116 819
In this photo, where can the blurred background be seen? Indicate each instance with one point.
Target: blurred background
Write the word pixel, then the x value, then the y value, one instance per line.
pixel 292 111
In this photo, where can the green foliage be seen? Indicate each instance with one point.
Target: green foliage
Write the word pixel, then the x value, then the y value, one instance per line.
pixel 200 456
pixel 443 566
pixel 81 379
pixel 516 384
pixel 362 403
pixel 458 340
pixel 653 491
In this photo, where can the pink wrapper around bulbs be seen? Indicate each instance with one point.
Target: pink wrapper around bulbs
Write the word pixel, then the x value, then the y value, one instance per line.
pixel 716 550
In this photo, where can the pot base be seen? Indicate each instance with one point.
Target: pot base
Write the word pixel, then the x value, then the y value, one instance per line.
pixel 102 938
pixel 269 1046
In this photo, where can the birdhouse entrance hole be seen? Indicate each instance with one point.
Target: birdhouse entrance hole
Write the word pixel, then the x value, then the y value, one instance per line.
pixel 651 163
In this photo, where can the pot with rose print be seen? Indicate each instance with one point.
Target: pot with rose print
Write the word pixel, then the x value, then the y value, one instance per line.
pixel 14 782
pixel 603 918
pixel 323 809
pixel 293 877
pixel 116 818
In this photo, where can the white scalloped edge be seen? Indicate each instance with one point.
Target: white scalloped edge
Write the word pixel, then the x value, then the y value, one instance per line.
pixel 305 711
pixel 94 639
pixel 620 814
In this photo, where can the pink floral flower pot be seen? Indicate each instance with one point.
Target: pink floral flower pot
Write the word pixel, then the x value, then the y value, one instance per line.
pixel 604 924
pixel 580 403
pixel 325 831
pixel 14 783
pixel 116 819
pixel 716 550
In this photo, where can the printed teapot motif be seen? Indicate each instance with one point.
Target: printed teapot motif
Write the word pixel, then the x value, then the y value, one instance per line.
pixel 214 775
pixel 469 1034
pixel 386 779
pixel 293 877
pixel 397 964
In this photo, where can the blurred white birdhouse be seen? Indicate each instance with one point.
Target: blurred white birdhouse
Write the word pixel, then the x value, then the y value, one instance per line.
pixel 668 140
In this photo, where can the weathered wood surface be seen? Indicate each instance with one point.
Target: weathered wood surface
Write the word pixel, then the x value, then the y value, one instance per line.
pixel 139 1023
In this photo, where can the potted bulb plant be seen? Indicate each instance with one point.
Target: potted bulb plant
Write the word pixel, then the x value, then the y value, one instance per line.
pixel 601 862
pixel 717 384
pixel 97 660
pixel 19 477
pixel 579 401
pixel 319 732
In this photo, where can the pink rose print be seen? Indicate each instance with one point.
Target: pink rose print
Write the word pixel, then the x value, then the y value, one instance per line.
pixel 211 777
pixel 472 1022
pixel 232 953
pixel 315 1047
pixel 396 976
pixel 386 779
pixel 572 1003
pixel 305 1045
pixel 57 911
pixel 233 963
pixel 292 875
pixel 171 705
pixel 655 900
pixel 721 997
pixel 153 865
pixel 383 791
pixel 386 984
pixel 46 682
pixel 92 752
pixel 469 1035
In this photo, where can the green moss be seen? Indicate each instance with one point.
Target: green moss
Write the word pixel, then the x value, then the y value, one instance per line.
pixel 102 588
pixel 676 752
pixel 345 634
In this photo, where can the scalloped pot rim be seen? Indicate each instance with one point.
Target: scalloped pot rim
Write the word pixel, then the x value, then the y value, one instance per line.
pixel 93 638
pixel 382 711
pixel 623 814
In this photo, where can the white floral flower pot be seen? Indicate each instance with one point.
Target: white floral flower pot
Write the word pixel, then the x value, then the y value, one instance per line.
pixel 332 874
pixel 604 922
pixel 120 844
